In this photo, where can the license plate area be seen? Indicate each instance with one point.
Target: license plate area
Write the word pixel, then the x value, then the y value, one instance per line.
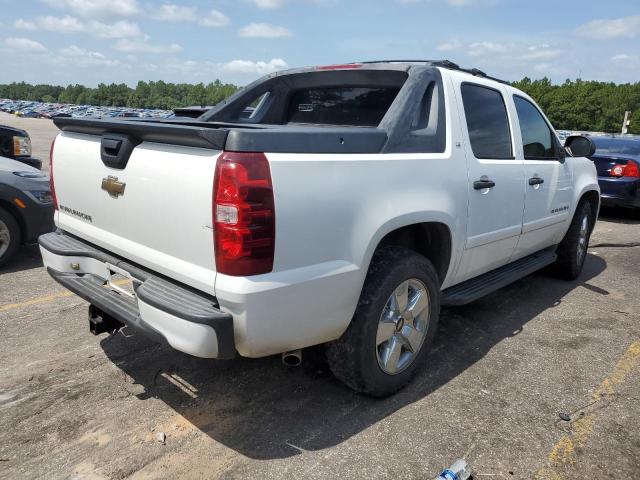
pixel 120 281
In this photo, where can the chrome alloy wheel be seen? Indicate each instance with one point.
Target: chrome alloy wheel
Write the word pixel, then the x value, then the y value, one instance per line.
pixel 583 238
pixel 402 326
pixel 5 238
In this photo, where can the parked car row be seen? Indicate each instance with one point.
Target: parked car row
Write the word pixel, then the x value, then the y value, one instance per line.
pixel 31 109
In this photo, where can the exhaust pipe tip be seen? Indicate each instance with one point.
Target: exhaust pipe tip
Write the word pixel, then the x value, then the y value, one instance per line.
pixel 292 358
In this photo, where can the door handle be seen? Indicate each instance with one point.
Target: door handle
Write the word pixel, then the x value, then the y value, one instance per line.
pixel 536 181
pixel 482 184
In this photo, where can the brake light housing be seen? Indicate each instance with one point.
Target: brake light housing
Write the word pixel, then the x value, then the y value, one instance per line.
pixel 51 184
pixel 243 214
pixel 629 169
pixel 343 66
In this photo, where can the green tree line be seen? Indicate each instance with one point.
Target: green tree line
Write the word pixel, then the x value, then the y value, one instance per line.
pixel 572 105
pixel 145 95
pixel 586 105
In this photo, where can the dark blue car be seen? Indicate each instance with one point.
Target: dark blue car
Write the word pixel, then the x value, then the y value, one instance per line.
pixel 617 160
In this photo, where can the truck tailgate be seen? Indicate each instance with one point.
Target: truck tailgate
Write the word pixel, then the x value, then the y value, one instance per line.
pixel 162 219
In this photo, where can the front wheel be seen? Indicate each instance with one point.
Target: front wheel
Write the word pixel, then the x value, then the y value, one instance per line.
pixel 572 251
pixel 9 236
pixel 394 323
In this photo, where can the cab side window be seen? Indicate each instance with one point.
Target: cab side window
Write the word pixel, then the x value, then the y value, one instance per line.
pixel 537 138
pixel 487 122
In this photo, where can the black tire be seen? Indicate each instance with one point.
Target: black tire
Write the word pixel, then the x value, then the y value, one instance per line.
pixel 353 358
pixel 569 264
pixel 8 222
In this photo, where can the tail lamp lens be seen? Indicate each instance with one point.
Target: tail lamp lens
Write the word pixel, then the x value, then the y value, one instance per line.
pixel 243 214
pixel 51 184
pixel 629 169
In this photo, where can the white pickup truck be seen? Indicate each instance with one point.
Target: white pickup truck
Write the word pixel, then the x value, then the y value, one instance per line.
pixel 339 205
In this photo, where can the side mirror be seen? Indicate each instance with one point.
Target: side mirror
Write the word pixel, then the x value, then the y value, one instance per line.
pixel 579 146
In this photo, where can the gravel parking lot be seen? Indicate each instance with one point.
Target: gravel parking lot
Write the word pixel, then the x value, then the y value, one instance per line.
pixel 501 371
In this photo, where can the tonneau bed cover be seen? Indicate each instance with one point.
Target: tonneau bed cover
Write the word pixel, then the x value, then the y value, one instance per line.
pixel 236 137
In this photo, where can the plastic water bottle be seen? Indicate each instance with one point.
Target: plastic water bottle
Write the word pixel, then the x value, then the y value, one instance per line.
pixel 460 470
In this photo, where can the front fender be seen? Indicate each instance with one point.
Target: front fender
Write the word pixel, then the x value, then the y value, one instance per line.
pixel 585 179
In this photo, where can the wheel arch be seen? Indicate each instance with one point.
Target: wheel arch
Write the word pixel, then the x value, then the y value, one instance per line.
pixel 430 237
pixel 593 197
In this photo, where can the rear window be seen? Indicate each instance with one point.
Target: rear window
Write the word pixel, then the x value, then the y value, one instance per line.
pixel 351 106
pixel 617 146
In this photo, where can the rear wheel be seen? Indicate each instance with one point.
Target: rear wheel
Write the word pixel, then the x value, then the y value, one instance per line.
pixel 572 251
pixel 9 236
pixel 394 323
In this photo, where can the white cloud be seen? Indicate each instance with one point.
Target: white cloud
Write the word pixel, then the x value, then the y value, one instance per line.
pixel 513 51
pixel 492 56
pixel 81 57
pixel 542 51
pixel 142 46
pixel 273 4
pixel 75 51
pixel 264 30
pixel 24 45
pixel 66 24
pixel 261 68
pixel 624 58
pixel 605 29
pixel 478 49
pixel 69 24
pixel 268 4
pixel 118 29
pixel 453 3
pixel 239 69
pixel 450 45
pixel 462 3
pixel 174 13
pixel 214 19
pixel 24 25
pixel 170 12
pixel 97 8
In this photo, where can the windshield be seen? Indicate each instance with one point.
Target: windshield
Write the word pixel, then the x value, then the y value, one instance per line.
pixel 620 146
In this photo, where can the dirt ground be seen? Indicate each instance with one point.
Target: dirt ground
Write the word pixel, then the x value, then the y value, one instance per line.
pixel 75 406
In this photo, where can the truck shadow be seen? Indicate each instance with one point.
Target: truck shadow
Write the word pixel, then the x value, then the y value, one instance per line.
pixel 620 215
pixel 27 258
pixel 263 410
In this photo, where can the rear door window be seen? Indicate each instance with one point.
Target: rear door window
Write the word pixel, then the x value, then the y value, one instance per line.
pixel 487 122
pixel 537 139
pixel 350 106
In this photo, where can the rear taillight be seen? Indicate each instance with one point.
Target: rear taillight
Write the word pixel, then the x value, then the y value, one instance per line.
pixel 629 169
pixel 243 214
pixel 52 187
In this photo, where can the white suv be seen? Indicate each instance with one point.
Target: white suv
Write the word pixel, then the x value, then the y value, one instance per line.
pixel 340 205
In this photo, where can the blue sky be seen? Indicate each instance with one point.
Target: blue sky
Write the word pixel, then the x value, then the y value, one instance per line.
pixel 92 41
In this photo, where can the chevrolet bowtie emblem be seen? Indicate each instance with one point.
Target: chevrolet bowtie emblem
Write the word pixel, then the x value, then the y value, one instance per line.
pixel 112 186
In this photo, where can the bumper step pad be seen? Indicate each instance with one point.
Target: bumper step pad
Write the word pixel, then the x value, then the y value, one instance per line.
pixel 152 289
